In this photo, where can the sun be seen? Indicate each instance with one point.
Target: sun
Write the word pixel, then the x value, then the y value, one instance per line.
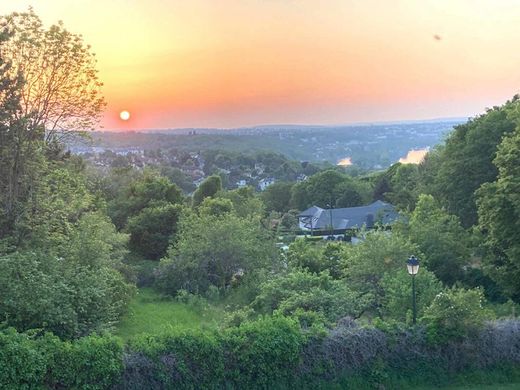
pixel 124 115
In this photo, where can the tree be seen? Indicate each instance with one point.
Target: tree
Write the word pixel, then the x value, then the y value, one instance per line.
pixel 61 91
pixel 71 290
pixel 211 250
pixel 467 160
pixel 442 239
pixel 328 187
pixel 152 229
pixel 277 197
pixel 397 287
pixel 140 193
pixel 208 188
pixel 19 151
pixel 316 258
pixel 499 217
pixel 366 264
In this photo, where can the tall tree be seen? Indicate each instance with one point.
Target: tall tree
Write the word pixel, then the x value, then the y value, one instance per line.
pixel 499 217
pixel 467 160
pixel 61 90
pixel 17 146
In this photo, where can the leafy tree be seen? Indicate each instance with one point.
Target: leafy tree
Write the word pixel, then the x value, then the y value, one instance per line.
pixel 442 239
pixel 215 207
pixel 397 287
pixel 212 250
pixel 61 92
pixel 326 188
pixel 316 258
pixel 20 155
pixel 208 188
pixel 245 202
pixel 366 264
pixel 179 178
pixel 467 160
pixel 57 202
pixel 152 229
pixel 143 192
pixel 277 197
pixel 499 217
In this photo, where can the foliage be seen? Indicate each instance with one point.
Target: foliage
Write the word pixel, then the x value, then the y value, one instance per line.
pixel 145 191
pixel 57 294
pixel 316 258
pixel 367 263
pixel 499 216
pixel 263 353
pixel 89 363
pixel 28 361
pixel 455 314
pixel 398 186
pixel 277 196
pixel 208 188
pixel 244 200
pixel 214 250
pixel 302 290
pixel 397 289
pixel 152 229
pixel 61 90
pixel 441 238
pixel 328 188
pixel 467 160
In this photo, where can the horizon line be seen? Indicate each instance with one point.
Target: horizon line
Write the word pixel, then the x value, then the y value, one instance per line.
pixel 294 125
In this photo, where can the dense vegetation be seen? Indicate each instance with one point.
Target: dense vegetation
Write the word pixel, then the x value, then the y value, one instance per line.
pixel 77 243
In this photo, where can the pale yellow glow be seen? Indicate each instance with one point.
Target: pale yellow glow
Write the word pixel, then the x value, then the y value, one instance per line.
pixel 414 156
pixel 345 162
pixel 124 115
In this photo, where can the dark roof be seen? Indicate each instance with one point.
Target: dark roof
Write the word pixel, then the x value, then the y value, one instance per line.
pixel 351 217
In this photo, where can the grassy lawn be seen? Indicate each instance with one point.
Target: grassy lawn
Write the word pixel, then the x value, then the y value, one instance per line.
pixel 149 312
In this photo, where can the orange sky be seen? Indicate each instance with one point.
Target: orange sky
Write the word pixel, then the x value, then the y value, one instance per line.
pixel 228 63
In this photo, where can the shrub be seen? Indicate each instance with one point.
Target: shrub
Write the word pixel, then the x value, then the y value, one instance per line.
pixel 21 365
pixel 90 363
pixel 455 314
pixel 29 361
pixel 262 354
pixel 180 359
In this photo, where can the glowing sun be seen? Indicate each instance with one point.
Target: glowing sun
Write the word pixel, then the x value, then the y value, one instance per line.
pixel 124 115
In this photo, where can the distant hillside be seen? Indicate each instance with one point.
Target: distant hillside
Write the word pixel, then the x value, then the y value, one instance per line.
pixel 368 146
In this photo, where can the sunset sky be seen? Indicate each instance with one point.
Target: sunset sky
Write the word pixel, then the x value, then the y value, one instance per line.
pixel 230 63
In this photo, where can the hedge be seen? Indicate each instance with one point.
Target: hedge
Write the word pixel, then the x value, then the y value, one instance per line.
pixel 272 352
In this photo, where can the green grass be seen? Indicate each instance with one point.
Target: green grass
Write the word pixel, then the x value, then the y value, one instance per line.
pixel 149 312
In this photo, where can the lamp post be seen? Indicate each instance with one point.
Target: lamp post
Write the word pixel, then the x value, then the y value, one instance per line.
pixel 330 206
pixel 412 264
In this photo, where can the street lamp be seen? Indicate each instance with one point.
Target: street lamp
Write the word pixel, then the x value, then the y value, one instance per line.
pixel 412 264
pixel 330 206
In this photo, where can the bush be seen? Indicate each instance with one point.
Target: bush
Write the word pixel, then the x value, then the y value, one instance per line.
pixel 22 366
pixel 455 314
pixel 29 361
pixel 90 363
pixel 262 354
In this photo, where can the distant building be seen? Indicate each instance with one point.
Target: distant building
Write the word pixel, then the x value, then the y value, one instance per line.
pixel 241 183
pixel 343 219
pixel 264 183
